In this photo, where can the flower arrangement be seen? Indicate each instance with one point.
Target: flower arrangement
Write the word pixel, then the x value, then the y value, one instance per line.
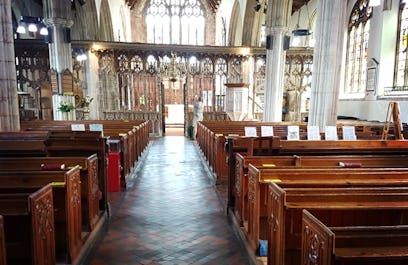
pixel 66 107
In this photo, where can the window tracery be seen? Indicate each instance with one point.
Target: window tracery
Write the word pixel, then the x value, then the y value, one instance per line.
pixel 357 46
pixel 175 22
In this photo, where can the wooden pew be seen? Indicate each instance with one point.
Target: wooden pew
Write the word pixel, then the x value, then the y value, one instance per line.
pixel 375 245
pixel 22 144
pixel 68 143
pixel 240 190
pixel 212 134
pixel 89 179
pixel 133 136
pixel 3 255
pixel 374 206
pixel 273 146
pixel 66 202
pixel 29 227
pixel 309 177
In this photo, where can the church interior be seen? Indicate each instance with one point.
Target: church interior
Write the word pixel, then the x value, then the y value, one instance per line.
pixel 299 157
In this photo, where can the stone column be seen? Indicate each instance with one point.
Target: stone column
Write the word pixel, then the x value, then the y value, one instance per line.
pixel 9 116
pixel 327 60
pixel 57 17
pixel 277 26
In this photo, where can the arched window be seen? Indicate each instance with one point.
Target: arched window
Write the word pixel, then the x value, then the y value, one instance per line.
pixel 357 44
pixel 401 66
pixel 175 22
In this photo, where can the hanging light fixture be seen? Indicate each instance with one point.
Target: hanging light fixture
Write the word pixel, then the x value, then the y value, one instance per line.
pixel 33 24
pixel 21 30
pixel 44 31
pixel 173 67
pixel 298 33
pixel 258 6
pixel 32 28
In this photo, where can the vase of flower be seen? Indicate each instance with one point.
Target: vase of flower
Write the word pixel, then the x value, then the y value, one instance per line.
pixel 65 108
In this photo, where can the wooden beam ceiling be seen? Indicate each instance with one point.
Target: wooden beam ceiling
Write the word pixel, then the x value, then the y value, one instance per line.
pixel 297 4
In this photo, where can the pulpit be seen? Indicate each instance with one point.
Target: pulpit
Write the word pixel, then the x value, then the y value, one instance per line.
pixel 237 101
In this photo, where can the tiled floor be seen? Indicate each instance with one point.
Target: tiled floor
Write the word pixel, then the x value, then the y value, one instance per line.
pixel 171 215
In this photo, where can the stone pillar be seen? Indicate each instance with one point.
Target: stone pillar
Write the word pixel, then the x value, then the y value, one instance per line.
pixel 327 60
pixel 9 116
pixel 277 26
pixel 57 17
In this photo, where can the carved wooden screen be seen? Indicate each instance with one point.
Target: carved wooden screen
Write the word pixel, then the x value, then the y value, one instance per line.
pixel 298 80
pixel 221 72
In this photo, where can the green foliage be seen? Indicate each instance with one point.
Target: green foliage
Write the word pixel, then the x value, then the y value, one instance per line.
pixel 66 106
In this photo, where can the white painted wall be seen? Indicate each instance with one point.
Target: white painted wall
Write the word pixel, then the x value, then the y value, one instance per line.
pixel 120 13
pixel 383 35
pixel 371 110
pixel 224 11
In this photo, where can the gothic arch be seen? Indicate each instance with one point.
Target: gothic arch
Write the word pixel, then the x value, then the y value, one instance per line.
pixel 105 25
pixel 85 21
pixel 25 8
pixel 252 24
pixel 235 30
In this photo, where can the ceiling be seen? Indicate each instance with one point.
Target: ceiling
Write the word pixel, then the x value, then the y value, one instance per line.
pixel 298 4
pixel 215 3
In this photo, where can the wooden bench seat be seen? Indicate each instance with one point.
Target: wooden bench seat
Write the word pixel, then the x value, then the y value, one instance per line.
pixel 274 146
pixel 66 195
pixel 133 136
pixel 3 254
pixel 259 179
pixel 28 227
pixel 240 190
pixel 213 134
pixel 90 192
pixel 375 245
pixel 63 144
pixel 373 206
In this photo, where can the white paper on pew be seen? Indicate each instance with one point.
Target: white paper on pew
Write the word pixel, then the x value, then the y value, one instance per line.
pixel 293 132
pixel 250 132
pixel 331 133
pixel 266 131
pixel 313 133
pixel 349 133
pixel 96 127
pixel 78 127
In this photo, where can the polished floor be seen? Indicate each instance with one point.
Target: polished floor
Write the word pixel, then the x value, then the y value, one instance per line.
pixel 171 215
